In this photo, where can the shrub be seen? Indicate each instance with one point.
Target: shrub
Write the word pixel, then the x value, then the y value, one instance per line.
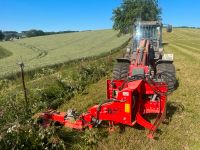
pixel 28 136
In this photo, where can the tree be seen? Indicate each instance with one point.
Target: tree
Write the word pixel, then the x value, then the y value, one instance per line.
pixel 8 35
pixel 1 35
pixel 33 32
pixel 130 10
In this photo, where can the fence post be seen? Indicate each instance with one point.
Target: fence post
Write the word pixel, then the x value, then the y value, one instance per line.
pixel 21 64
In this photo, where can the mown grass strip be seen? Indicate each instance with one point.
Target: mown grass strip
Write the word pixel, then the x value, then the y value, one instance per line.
pixel 189 54
pixel 190 48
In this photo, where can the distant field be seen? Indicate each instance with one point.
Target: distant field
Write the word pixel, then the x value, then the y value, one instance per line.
pixel 43 51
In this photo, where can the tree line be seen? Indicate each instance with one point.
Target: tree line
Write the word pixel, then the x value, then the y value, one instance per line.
pixel 10 35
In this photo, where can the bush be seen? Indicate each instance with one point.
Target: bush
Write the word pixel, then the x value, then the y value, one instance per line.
pixel 30 137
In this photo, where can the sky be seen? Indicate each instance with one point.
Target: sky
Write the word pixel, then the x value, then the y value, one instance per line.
pixel 59 15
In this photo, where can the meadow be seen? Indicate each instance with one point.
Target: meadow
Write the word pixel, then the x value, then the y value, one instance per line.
pixel 82 84
pixel 38 52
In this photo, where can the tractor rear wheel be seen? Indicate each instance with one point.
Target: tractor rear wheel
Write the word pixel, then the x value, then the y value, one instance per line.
pixel 167 72
pixel 120 71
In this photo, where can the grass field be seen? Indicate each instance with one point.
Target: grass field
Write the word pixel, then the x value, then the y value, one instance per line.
pixel 182 132
pixel 49 50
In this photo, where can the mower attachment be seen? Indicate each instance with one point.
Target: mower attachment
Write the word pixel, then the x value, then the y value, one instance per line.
pixel 127 102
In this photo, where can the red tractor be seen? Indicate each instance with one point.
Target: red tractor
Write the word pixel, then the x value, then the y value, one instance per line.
pixel 140 85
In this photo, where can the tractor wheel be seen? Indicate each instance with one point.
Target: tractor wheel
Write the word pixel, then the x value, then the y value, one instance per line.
pixel 167 72
pixel 120 71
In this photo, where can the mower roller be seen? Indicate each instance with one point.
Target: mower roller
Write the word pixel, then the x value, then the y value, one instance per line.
pixel 142 79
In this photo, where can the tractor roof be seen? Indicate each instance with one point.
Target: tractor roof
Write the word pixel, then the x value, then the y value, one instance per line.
pixel 149 23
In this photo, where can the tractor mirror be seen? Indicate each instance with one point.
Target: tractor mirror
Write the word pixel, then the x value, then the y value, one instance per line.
pixel 169 28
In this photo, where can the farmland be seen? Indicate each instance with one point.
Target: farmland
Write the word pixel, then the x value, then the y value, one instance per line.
pixel 49 50
pixel 183 105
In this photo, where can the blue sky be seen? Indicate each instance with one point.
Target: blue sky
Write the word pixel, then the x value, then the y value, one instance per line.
pixel 57 15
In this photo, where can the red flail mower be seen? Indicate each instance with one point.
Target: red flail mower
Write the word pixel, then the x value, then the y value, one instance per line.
pixel 139 88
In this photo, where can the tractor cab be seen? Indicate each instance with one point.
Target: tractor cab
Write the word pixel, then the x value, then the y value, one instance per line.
pixel 148 30
pixel 147 38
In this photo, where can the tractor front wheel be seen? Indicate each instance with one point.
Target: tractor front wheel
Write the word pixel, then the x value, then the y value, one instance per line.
pixel 167 72
pixel 120 71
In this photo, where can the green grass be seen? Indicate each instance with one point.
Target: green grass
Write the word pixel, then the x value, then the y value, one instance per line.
pixel 4 53
pixel 49 50
pixel 182 132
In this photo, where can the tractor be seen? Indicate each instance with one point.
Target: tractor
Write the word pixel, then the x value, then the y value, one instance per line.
pixel 141 81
